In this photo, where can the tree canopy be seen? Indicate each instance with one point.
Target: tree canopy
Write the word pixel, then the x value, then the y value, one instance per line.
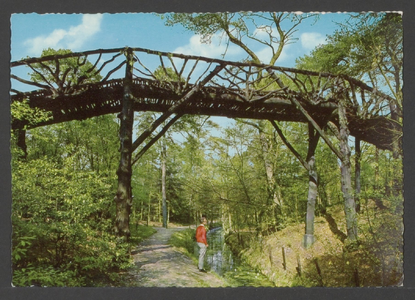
pixel 368 47
pixel 273 30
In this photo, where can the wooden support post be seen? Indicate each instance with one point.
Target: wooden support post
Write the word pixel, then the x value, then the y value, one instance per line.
pixel 156 138
pixel 313 139
pixel 309 118
pixel 356 277
pixel 343 155
pixel 123 198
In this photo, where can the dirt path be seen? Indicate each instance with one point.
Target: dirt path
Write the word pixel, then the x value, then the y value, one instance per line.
pixel 161 265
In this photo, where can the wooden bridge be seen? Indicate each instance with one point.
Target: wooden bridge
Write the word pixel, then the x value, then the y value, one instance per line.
pixel 77 86
pixel 239 90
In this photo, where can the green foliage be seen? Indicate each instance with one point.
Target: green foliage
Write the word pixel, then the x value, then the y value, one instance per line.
pixel 63 210
pixel 139 233
pixel 90 145
pixel 368 46
pixel 45 276
pixel 166 74
pixel 60 229
pixel 184 239
pixel 65 73
pixel 23 112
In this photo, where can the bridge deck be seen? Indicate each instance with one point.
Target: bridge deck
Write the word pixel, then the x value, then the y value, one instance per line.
pixel 151 95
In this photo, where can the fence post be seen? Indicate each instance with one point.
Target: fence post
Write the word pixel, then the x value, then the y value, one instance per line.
pixel 298 268
pixel 284 262
pixel 270 257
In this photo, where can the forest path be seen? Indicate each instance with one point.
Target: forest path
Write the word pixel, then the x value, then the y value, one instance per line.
pixel 159 264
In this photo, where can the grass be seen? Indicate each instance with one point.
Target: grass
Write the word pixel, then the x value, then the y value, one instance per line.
pixel 140 233
pixel 184 241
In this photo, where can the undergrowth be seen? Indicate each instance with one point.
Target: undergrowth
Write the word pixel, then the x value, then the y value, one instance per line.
pixel 376 260
pixel 184 241
pixel 96 260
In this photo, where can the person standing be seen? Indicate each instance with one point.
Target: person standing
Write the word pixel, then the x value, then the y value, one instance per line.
pixel 201 242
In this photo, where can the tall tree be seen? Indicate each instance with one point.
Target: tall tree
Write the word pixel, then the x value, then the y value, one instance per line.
pixel 273 30
pixel 369 47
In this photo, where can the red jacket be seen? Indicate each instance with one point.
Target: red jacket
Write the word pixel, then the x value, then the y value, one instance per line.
pixel 201 234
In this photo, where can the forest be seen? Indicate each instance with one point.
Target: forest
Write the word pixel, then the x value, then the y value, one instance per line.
pixel 251 177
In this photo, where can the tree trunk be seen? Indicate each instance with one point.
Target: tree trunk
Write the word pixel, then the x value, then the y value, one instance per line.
pixel 313 138
pixel 346 178
pixel 311 203
pixel 357 173
pixel 163 185
pixel 159 217
pixel 142 210
pixel 149 209
pixel 397 156
pixel 308 164
pixel 123 197
pixel 21 142
pixel 276 202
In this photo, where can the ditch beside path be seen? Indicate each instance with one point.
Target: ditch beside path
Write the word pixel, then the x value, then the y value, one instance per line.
pixel 159 264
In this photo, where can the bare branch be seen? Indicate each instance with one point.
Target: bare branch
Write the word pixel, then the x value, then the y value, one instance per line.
pixel 113 71
pixel 42 86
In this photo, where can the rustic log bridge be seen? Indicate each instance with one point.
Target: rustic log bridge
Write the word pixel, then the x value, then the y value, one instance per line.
pixel 221 88
pixel 93 99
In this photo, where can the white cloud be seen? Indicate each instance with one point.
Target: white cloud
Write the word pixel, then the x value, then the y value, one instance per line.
pixel 265 55
pixel 215 49
pixel 73 38
pixel 309 40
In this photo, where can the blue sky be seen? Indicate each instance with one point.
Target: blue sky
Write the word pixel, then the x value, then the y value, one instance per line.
pixel 31 33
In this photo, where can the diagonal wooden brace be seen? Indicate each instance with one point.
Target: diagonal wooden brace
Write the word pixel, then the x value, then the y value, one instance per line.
pixel 310 119
pixel 174 108
pixel 155 139
pixel 288 144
